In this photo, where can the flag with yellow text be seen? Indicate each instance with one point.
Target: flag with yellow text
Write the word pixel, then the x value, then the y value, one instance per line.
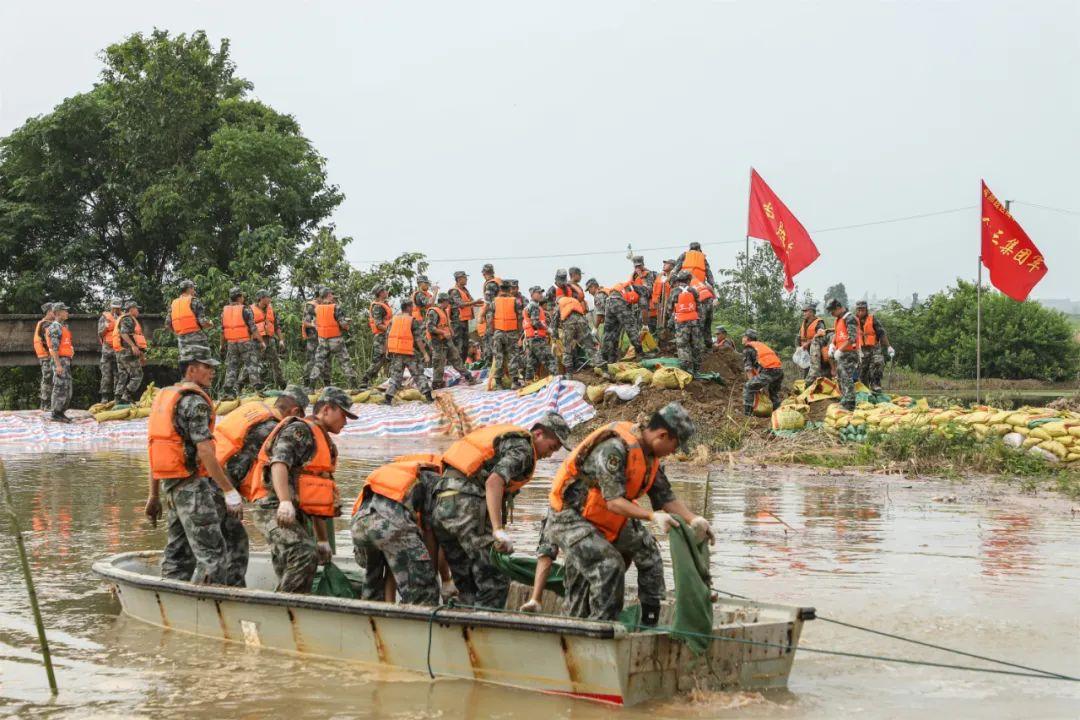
pixel 1015 264
pixel 771 220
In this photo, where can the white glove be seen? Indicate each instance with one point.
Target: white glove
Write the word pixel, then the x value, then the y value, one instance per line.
pixel 503 543
pixel 702 529
pixel 448 590
pixel 324 552
pixel 664 521
pixel 286 513
pixel 892 352
pixel 233 500
pixel 530 607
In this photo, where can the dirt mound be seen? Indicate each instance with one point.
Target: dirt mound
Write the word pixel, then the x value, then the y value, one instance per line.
pixel 1069 402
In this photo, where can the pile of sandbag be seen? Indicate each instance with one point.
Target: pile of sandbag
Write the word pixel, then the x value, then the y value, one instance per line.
pixel 105 412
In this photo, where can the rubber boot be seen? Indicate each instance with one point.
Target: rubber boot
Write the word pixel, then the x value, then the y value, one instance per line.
pixel 429 397
pixel 650 615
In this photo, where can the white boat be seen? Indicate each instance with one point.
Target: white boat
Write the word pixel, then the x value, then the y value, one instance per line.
pixel 600 661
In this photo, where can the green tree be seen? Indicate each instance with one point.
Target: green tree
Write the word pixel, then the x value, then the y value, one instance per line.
pixel 771 311
pixel 165 169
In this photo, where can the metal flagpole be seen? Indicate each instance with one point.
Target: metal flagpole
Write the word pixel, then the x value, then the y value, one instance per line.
pixel 978 336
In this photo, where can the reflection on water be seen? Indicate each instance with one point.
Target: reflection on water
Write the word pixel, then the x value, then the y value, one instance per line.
pixel 996 576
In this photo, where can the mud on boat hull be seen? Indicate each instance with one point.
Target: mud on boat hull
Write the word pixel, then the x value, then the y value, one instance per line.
pixel 592 660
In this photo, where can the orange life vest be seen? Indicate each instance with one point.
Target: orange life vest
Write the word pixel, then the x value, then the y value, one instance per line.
pixel 841 341
pixel 659 291
pixel 469 454
pixel 568 305
pixel 375 328
pixel 416 311
pixel 182 317
pixel 807 331
pixel 265 320
pixel 704 292
pixel 465 312
pixel 686 307
pixel 39 342
pixel 316 491
pixel 481 321
pixel 230 433
pixel 106 334
pixel 167 460
pixel 395 480
pixel 530 331
pixel 66 349
pixel 325 324
pixel 137 336
pixel 442 327
pixel 869 337
pixel 630 295
pixel 766 356
pixel 400 339
pixel 232 324
pixel 694 261
pixel 506 313
pixel 640 475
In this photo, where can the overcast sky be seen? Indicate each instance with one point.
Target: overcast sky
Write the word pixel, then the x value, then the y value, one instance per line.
pixel 485 130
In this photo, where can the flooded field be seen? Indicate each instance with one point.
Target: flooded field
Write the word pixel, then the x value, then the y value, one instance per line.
pixel 968 566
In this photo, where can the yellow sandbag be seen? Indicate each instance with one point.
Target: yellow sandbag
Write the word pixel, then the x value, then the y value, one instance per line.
pixel 536 386
pixel 980 428
pixel 409 395
pixel 856 422
pixel 762 406
pixel 975 417
pixel 361 397
pixel 101 407
pixel 1018 419
pixel 1031 442
pixel 1072 457
pixel 1075 431
pixel 376 398
pixel 139 412
pixel 1022 430
pixel 107 415
pixel 921 405
pixel 843 422
pixel 631 353
pixel 1055 429
pixel 836 410
pixel 785 419
pixel 147 398
pixel 648 342
pixel 1055 447
pixel 1001 428
pixel 595 393
pixel 618 367
pixel 251 398
pixel 861 388
pixel 642 376
pixel 798 386
pixel 999 417
pixel 1041 433
pixel 227 406
pixel 672 378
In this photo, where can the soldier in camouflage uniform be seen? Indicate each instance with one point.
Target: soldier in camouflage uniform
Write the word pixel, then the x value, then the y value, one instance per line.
pixel 491 289
pixel 130 358
pixel 61 355
pixel 270 332
pixel 760 376
pixel 504 343
pixel 205 534
pixel 442 346
pixel 536 348
pixel 642 281
pixel 875 343
pixel 294 552
pixel 107 362
pixel 679 261
pixel 722 340
pixel 379 322
pixel 595 567
pixel 469 510
pixel 462 309
pixel 311 338
pixel 44 360
pixel 683 314
pixel 619 317
pixel 812 339
pixel 846 352
pixel 187 288
pixel 393 538
pixel 398 361
pixel 241 354
pixel 330 348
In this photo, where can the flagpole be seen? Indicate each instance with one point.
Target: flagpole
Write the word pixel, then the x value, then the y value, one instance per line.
pixel 978 336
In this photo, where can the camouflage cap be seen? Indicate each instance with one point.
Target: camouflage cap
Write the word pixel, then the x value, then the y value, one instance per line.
pixel 422 279
pixel 695 246
pixel 131 304
pixel 860 304
pixel 675 417
pixel 260 294
pixel 560 275
pixel 339 397
pixel 670 261
pixel 833 305
pixel 460 274
pixel 536 289
pixel 505 285
pixel 811 306
pixel 378 289
pixel 199 354
pixel 47 307
pixel 115 302
pixel 554 423
pixel 406 303
pixel 683 276
pixel 297 395
pixel 574 270
pixel 442 298
pixel 513 283
pixel 58 306
pixel 324 291
pixel 488 268
pixel 721 329
pixel 186 285
pixel 235 292
pixel 750 333
pixel 639 260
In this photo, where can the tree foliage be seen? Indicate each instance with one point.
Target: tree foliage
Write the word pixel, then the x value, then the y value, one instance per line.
pixel 771 311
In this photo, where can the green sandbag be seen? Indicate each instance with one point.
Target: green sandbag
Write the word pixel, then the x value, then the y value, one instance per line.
pixel 711 377
pixel 523 570
pixel 653 363
pixel 693 591
pixel 331 581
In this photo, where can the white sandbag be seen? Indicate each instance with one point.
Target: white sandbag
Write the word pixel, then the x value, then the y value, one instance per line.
pixel 801 358
pixel 626 393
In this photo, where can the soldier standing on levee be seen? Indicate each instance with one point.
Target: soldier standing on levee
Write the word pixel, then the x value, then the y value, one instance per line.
pixel 442 344
pixel 812 340
pixel 536 345
pixel 620 309
pixel 61 351
pixel 203 509
pixel 308 333
pixel 764 371
pixel 847 341
pixel 187 319
pixel 296 466
pixel 462 310
pixel 129 344
pixel 872 355
pixel 684 313
pixel 270 334
pixel 331 325
pixel 504 324
pixel 490 289
pixel 41 351
pixel 379 315
pixel 107 362
pixel 405 337
pixel 238 337
pixel 642 280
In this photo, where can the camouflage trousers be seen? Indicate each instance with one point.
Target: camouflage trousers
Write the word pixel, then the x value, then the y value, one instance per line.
pixel 636 545
pixel 45 386
pixel 577 337
pixel 689 345
pixel 387 542
pixel 292 549
pixel 107 366
pixel 461 337
pixel 196 338
pixel 872 366
pixel 241 361
pixel 485 348
pixel 270 363
pixel 379 359
pixel 815 370
pixel 504 356
pixel 537 353
pixel 310 345
pixel 463 532
pixel 442 353
pixel 129 376
pixel 595 569
pixel 848 372
pixel 620 318
pixel 770 380
pixel 706 312
pixel 398 363
pixel 204 544
pixel 61 388
pixel 322 367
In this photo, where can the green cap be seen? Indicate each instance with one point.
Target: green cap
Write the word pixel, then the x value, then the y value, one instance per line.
pixel 675 417
pixel 338 397
pixel 198 353
pixel 554 422
pixel 297 395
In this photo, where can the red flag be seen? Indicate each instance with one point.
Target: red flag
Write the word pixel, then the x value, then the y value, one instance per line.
pixel 1015 264
pixel 771 220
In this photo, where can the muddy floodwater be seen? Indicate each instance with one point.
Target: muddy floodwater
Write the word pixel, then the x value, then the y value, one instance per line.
pixel 970 566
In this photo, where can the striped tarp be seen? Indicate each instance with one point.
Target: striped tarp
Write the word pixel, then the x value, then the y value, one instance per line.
pixel 456 410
